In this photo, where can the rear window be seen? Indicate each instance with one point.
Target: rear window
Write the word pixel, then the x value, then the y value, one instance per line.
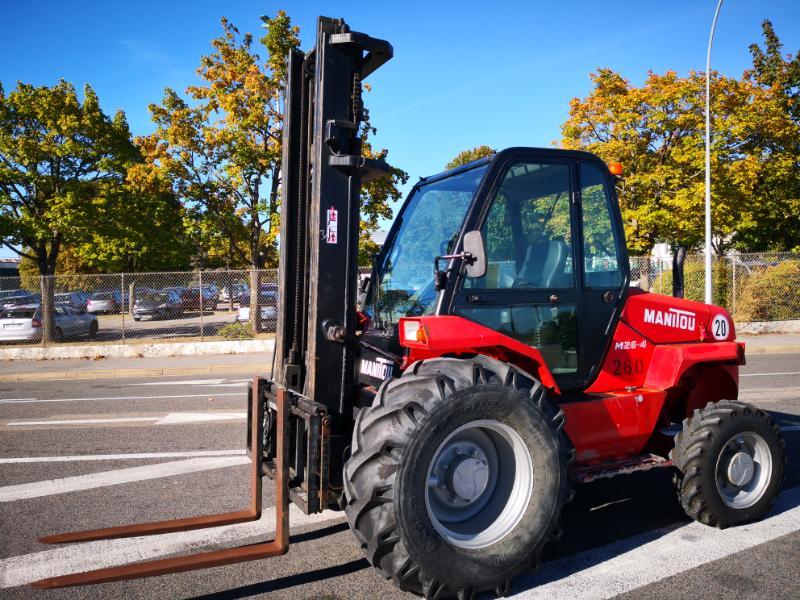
pixel 18 313
pixel 102 296
pixel 151 297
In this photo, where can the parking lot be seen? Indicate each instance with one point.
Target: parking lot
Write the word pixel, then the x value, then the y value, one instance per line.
pixel 187 325
pixel 136 308
pixel 97 453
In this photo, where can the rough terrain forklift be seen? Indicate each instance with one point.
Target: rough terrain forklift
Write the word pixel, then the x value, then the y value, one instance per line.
pixel 497 355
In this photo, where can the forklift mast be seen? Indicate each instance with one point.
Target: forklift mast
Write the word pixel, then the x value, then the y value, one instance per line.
pixel 300 423
pixel 320 214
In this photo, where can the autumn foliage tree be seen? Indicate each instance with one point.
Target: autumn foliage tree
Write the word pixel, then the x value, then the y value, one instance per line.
pixel 60 161
pixel 219 150
pixel 467 156
pixel 657 130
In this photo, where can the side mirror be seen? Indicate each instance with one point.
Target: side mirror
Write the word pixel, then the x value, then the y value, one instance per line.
pixel 474 246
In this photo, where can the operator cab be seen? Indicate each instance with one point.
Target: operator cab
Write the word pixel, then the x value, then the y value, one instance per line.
pixel 556 265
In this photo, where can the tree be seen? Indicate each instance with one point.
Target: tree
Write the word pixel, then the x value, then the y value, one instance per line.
pixel 58 159
pixel 657 132
pixel 220 152
pixel 375 194
pixel 135 230
pixel 779 76
pixel 467 156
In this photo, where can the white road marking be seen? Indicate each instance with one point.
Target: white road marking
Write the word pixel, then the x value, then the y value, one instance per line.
pixel 129 456
pixel 767 374
pixel 629 564
pixel 74 558
pixel 77 483
pixel 105 398
pixel 594 574
pixel 177 418
pixel 17 399
pixel 84 421
pixel 198 382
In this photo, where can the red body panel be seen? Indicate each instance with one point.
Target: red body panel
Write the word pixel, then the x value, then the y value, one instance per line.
pixel 457 335
pixel 667 320
pixel 612 426
pixel 627 361
pixel 657 342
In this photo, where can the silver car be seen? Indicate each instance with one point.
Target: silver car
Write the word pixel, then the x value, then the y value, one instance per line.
pixel 24 323
pixel 106 302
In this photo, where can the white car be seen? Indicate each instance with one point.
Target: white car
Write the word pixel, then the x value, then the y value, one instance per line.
pixel 269 309
pixel 24 323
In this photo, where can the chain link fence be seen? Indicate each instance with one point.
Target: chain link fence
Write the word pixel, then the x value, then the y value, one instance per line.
pixel 134 308
pixel 756 287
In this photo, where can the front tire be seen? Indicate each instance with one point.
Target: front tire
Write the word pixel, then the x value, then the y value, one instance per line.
pixel 457 476
pixel 730 460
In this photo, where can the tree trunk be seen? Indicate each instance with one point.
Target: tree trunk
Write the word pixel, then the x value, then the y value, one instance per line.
pixel 47 269
pixel 131 295
pixel 255 298
pixel 46 305
pixel 644 273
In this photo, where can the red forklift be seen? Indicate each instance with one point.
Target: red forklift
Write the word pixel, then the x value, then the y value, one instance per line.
pixel 498 355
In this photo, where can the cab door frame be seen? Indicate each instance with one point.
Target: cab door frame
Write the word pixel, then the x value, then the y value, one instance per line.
pixel 592 340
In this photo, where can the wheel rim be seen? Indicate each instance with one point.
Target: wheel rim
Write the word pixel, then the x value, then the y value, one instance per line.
pixel 479 484
pixel 744 470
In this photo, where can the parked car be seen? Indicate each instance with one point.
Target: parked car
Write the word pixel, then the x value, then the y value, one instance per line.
pixel 235 292
pixel 268 301
pixel 157 305
pixel 106 302
pixel 191 298
pixel 11 298
pixel 24 323
pixel 76 299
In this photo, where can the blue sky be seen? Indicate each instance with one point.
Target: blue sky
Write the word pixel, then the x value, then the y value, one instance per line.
pixel 496 73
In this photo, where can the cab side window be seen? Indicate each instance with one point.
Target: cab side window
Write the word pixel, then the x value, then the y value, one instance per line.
pixel 527 231
pixel 601 267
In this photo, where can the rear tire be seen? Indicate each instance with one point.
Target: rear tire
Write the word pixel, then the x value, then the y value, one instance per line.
pixel 93 330
pixel 730 461
pixel 449 540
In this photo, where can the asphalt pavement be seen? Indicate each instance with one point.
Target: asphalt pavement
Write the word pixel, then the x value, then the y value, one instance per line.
pixel 102 452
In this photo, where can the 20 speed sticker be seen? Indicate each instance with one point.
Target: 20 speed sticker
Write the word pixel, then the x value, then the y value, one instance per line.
pixel 720 327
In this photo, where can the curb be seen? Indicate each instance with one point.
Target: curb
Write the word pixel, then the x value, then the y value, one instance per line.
pixel 770 349
pixel 124 373
pixel 137 350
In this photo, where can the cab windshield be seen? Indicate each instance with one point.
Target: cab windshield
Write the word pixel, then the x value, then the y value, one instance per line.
pixel 429 227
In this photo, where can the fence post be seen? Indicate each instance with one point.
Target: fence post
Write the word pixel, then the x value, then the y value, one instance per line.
pixel 122 301
pixel 200 279
pixel 733 288
pixel 42 303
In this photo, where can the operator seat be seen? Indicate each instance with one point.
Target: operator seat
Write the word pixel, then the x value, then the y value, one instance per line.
pixel 543 266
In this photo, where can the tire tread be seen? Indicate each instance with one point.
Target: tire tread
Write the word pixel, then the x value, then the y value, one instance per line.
pixel 400 407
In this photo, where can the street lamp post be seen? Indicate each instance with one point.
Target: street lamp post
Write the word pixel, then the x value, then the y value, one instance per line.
pixel 708 154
